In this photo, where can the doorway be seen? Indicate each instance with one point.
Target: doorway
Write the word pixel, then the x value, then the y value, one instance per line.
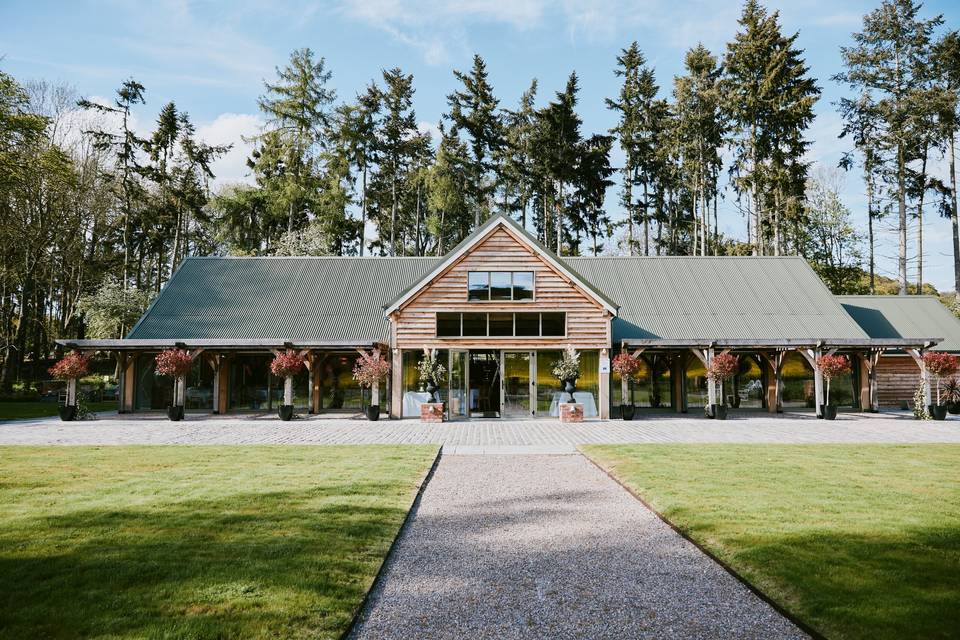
pixel 483 377
pixel 518 384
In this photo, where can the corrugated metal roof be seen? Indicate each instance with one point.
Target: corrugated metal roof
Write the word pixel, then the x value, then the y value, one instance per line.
pixel 342 299
pixel 297 299
pixel 905 317
pixel 707 298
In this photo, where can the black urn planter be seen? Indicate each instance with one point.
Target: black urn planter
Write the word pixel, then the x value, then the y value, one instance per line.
pixel 373 412
pixel 68 412
pixel 829 411
pixel 569 387
pixel 627 411
pixel 938 411
pixel 953 407
pixel 286 412
pixel 175 413
pixel 719 411
pixel 432 390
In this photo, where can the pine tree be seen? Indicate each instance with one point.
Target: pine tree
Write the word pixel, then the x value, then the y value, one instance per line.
pixel 297 108
pixel 517 165
pixel 473 110
pixel 449 220
pixel 946 62
pixel 888 60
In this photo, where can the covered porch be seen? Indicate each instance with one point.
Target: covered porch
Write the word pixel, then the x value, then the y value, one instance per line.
pixel 773 376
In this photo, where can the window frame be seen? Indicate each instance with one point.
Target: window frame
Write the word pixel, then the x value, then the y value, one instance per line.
pixel 487 336
pixel 512 299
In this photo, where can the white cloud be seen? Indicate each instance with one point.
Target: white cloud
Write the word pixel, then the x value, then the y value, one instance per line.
pixel 231 128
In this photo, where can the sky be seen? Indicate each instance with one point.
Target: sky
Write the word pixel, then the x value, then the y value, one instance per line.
pixel 212 58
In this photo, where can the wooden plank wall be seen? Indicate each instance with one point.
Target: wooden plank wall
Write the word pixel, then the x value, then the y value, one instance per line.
pixel 588 323
pixel 898 377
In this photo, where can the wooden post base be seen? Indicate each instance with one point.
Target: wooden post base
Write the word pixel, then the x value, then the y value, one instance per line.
pixel 431 412
pixel 571 412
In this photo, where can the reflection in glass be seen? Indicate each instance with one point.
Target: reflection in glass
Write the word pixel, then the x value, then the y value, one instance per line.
pixel 474 324
pixel 500 288
pixel 528 324
pixel 501 324
pixel 523 285
pixel 553 324
pixel 478 285
pixel 516 383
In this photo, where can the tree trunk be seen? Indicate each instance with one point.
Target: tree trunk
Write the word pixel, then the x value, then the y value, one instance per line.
pixel 363 212
pixel 953 219
pixel 902 212
pixel 646 221
pixel 628 194
pixel 923 190
pixel 870 239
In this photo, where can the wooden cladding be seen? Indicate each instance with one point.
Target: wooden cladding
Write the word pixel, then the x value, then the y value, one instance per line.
pixel 587 322
pixel 898 377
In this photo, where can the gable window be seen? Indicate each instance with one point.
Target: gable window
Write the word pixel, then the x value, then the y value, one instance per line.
pixel 500 325
pixel 502 286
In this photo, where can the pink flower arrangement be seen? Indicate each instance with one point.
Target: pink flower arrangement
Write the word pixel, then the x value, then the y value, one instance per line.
pixel 625 365
pixel 287 364
pixel 370 368
pixel 832 366
pixel 173 363
pixel 941 365
pixel 72 366
pixel 723 367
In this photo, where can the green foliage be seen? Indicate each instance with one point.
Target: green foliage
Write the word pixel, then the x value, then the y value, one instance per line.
pixel 112 310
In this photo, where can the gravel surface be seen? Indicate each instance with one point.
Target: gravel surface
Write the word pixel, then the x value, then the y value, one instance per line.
pixel 550 547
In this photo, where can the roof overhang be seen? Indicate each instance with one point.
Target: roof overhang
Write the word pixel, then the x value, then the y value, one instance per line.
pixel 145 344
pixel 495 222
pixel 784 343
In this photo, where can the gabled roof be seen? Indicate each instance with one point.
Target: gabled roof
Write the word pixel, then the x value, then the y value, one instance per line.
pixel 329 299
pixel 680 299
pixel 916 317
pixel 481 233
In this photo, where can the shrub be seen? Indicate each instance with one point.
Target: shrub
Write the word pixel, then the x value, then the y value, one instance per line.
pixel 173 363
pixel 370 368
pixel 723 367
pixel 287 364
pixel 940 364
pixel 72 366
pixel 830 367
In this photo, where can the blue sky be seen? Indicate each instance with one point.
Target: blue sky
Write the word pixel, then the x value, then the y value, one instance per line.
pixel 211 59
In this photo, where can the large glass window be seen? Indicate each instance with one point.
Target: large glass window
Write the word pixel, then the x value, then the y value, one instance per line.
pixel 478 285
pixel 474 325
pixel 151 391
pixel 499 285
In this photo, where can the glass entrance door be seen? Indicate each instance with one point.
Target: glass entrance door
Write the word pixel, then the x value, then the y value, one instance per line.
pixel 517 384
pixel 483 384
pixel 457 403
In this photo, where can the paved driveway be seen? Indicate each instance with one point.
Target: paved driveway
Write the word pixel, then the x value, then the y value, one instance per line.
pixel 547 436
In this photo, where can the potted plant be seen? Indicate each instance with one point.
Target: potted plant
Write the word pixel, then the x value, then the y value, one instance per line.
pixel 951 390
pixel 723 366
pixel 368 371
pixel 287 364
pixel 830 367
pixel 176 364
pixel 567 370
pixel 71 367
pixel 626 366
pixel 941 365
pixel 431 372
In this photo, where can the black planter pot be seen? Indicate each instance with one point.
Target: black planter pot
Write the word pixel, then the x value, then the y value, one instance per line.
pixel 829 411
pixel 373 412
pixel 719 412
pixel 68 412
pixel 569 386
pixel 953 407
pixel 938 411
pixel 175 413
pixel 286 412
pixel 432 390
pixel 627 411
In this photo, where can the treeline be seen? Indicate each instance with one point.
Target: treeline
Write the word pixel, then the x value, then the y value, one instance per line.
pixel 97 217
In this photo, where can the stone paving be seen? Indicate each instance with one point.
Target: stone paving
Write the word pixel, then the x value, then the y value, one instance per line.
pixel 490 437
pixel 550 547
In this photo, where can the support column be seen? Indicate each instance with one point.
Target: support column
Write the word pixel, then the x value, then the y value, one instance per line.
pixel 604 384
pixel 817 385
pixel 129 386
pixel 215 363
pixel 677 381
pixel 396 385
pixel 770 371
pixel 863 367
pixel 711 383
pixel 121 381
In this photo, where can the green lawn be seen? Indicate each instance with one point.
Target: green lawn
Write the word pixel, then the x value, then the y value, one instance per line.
pixel 16 410
pixel 196 542
pixel 859 541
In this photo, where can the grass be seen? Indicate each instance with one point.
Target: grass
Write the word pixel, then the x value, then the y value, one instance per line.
pixel 859 541
pixel 19 410
pixel 196 542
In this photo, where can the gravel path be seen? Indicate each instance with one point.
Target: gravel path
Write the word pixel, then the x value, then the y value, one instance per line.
pixel 550 547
